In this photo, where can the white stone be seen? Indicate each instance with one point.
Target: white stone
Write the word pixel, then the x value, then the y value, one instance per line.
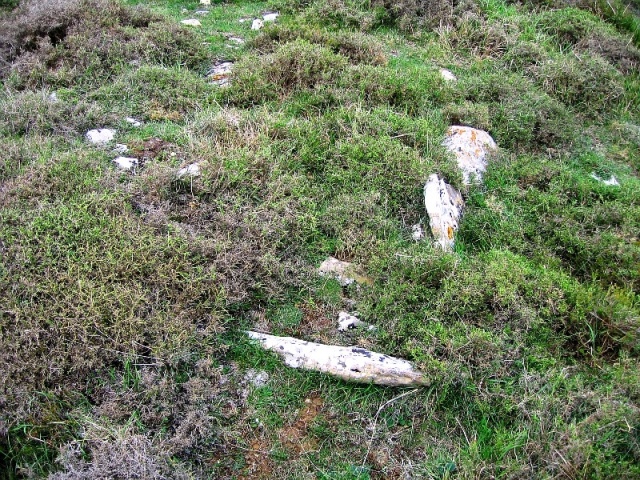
pixel 238 40
pixel 134 123
pixel 417 233
pixel 448 75
pixel 271 16
pixel 184 10
pixel 471 148
pixel 444 205
pixel 192 170
pixel 121 148
pixel 192 22
pixel 125 163
pixel 612 182
pixel 257 24
pixel 100 136
pixel 53 97
pixel 220 72
pixel 201 12
pixel 205 2
pixel 348 321
pixel 348 363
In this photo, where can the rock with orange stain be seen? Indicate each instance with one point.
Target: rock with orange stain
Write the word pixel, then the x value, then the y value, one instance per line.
pixel 444 205
pixel 471 148
pixel 348 363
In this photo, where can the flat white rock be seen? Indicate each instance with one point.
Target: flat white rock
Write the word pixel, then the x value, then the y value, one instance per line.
pixel 271 16
pixel 192 22
pixel 133 122
pixel 192 170
pixel 612 182
pixel 348 321
pixel 257 24
pixel 444 205
pixel 125 163
pixel 448 75
pixel 100 136
pixel 348 363
pixel 471 148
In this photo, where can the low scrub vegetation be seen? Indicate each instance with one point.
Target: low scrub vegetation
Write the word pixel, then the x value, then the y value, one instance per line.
pixel 125 294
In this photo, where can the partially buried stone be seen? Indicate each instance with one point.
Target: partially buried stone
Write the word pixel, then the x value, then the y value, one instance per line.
pixel 220 72
pixel 612 182
pixel 257 24
pixel 192 170
pixel 345 272
pixel 348 363
pixel 447 75
pixel 100 136
pixel 471 148
pixel 444 205
pixel 192 22
pixel 270 16
pixel 125 163
pixel 348 321
pixel 121 148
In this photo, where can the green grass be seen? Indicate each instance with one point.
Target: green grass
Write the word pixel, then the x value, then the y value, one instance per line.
pixel 125 295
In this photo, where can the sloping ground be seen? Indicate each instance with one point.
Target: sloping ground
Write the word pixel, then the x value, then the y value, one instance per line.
pixel 124 294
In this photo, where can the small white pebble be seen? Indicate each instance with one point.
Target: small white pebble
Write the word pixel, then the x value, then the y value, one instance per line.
pixel 448 75
pixel 192 22
pixel 133 122
pixel 257 24
pixel 205 2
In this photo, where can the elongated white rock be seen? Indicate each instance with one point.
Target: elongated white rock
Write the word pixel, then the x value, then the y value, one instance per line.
pixel 612 182
pixel 471 147
pixel 270 17
pixel 348 363
pixel 444 205
pixel 192 22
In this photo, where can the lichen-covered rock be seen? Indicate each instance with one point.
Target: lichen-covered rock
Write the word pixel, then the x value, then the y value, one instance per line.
pixel 444 206
pixel 348 363
pixel 471 148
